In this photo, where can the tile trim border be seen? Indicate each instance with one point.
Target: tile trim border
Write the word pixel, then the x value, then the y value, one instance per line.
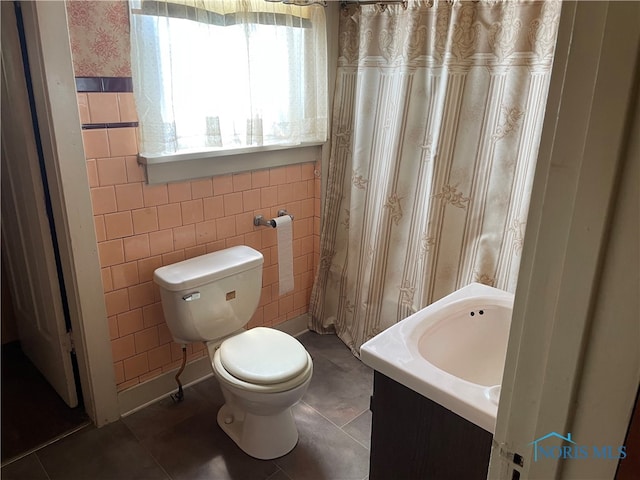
pixel 104 84
pixel 96 126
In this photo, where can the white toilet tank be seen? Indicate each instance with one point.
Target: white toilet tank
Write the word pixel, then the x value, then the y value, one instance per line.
pixel 211 296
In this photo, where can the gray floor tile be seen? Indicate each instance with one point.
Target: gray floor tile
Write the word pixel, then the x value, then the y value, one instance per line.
pixel 166 413
pixel 183 441
pixel 340 394
pixel 27 468
pixel 323 451
pixel 198 449
pixel 209 389
pixel 360 428
pixel 279 475
pixel 110 452
pixel 330 346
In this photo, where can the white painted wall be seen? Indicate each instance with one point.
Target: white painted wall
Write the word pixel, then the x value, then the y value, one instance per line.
pixel 576 318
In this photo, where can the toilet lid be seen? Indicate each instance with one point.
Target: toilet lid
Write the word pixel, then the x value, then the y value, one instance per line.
pixel 263 356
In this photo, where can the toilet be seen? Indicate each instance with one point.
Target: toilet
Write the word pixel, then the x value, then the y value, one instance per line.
pixel 262 372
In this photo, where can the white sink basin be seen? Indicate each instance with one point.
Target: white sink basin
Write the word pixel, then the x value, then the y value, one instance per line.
pixel 470 342
pixel 452 351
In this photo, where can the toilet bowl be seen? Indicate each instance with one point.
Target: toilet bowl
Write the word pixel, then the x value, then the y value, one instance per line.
pixel 259 394
pixel 262 372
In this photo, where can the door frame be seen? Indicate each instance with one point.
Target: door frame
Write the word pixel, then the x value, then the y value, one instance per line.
pixel 28 233
pixel 572 363
pixel 47 39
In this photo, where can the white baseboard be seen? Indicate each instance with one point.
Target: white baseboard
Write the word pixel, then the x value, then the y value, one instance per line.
pixel 144 394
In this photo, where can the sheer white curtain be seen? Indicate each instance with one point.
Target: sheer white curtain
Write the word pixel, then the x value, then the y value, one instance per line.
pixel 226 74
pixel 437 118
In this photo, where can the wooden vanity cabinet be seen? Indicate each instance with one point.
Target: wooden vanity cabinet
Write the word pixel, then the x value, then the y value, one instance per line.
pixel 413 437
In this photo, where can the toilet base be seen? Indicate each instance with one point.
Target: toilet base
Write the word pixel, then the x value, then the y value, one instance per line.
pixel 262 437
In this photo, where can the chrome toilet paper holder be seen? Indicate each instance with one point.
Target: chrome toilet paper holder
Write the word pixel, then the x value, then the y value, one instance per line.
pixel 260 221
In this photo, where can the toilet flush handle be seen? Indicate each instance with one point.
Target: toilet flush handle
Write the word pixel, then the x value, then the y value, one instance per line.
pixel 191 296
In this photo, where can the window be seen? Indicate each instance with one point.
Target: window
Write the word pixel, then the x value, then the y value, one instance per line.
pixel 228 76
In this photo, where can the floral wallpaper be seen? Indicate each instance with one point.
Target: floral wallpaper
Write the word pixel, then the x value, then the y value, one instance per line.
pixel 99 34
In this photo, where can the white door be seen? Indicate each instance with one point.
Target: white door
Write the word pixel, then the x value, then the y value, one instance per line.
pixel 26 235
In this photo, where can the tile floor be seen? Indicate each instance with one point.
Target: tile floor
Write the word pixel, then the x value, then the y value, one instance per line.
pixel 183 441
pixel 32 411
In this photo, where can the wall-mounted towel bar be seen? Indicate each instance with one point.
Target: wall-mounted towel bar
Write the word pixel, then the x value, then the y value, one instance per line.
pixel 259 220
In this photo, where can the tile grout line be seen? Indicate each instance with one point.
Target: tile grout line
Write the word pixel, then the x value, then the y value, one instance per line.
pixel 338 427
pixel 368 449
pixel 279 470
pixel 46 444
pixel 144 447
pixel 42 466
pixel 347 423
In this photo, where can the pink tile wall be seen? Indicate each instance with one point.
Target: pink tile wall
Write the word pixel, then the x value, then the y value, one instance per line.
pixel 140 228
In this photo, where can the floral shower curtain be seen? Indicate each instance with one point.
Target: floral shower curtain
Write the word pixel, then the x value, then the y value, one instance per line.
pixel 437 118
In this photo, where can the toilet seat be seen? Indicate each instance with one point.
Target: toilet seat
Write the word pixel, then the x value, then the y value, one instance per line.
pixel 262 360
pixel 264 356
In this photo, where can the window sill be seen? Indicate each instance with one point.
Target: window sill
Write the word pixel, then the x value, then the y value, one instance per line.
pixel 189 166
